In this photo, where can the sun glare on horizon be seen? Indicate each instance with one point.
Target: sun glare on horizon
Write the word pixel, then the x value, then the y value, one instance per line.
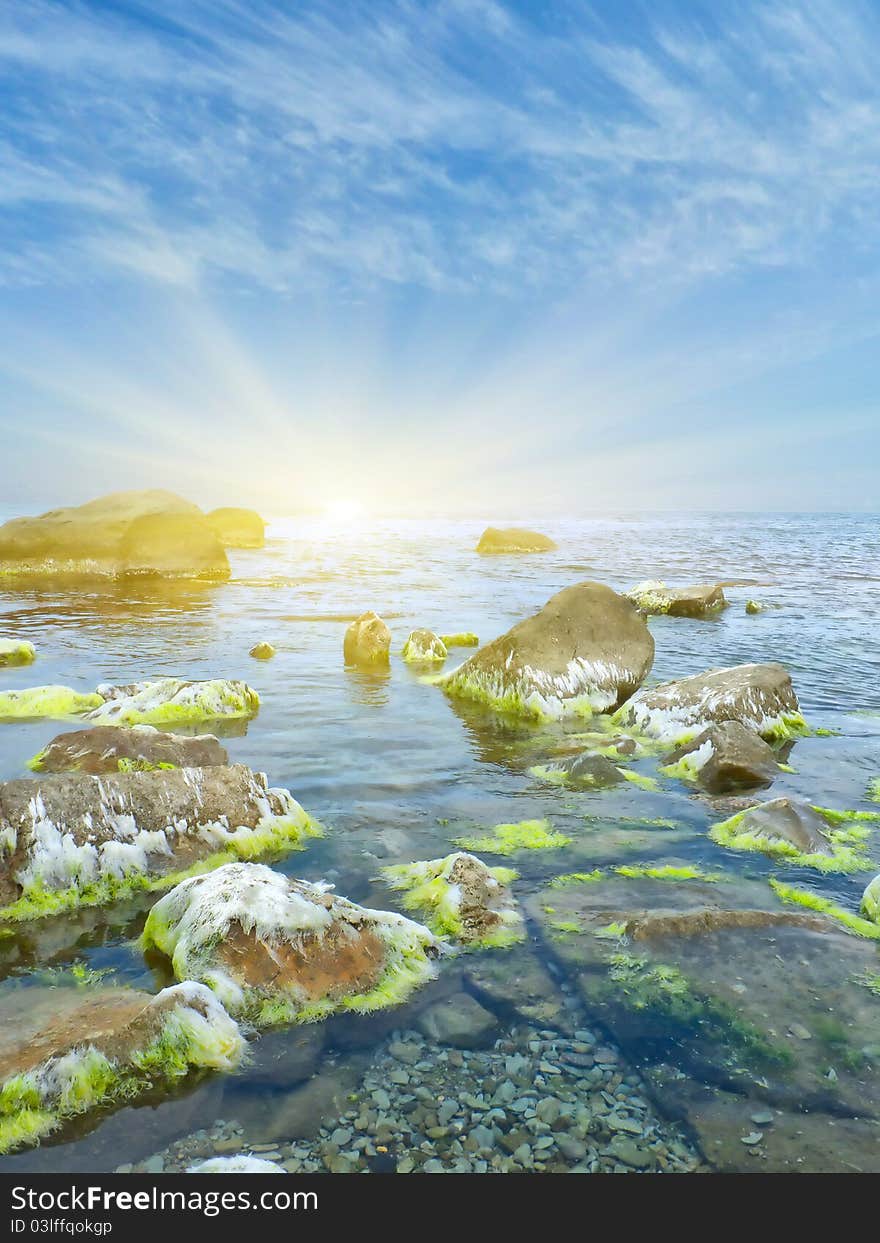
pixel 344 510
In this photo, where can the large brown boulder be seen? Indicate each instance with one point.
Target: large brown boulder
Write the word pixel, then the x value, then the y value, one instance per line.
pixel 68 1051
pixel 238 528
pixel 724 758
pixel 76 840
pixel 586 650
pixel 122 535
pixel 367 641
pixel 761 697
pixel 117 749
pixel 281 950
pixel 514 539
pixel 656 597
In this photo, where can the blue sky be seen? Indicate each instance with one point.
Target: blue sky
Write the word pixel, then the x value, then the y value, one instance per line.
pixel 460 256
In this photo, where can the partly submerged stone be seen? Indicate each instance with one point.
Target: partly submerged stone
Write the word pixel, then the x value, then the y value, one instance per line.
pixel 424 647
pixel 461 898
pixel 241 1164
pixel 754 606
pixel 280 950
pixel 459 1021
pixel 262 651
pixel 169 701
pixel 798 832
pixel 656 597
pixel 126 534
pixel 66 1052
pixel 237 528
pixel 367 641
pixel 58 702
pixel 588 771
pixel 17 652
pixel 761 697
pixel 724 758
pixel 463 638
pixel 871 900
pixel 73 839
pixel 120 749
pixel 587 650
pixel 514 539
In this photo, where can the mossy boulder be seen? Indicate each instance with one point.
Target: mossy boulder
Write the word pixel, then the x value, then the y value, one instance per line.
pixel 126 534
pixel 759 696
pixel 72 839
pixel 871 900
pixel 65 1052
pixel 587 771
pixel 17 652
pixel 657 598
pixel 461 897
pixel 424 647
pixel 118 749
pixel 262 651
pixel 237 528
pixel 280 950
pixel 56 702
pixel 367 641
pixel 724 758
pixel 514 539
pixel 170 701
pixel 798 832
pixel 587 650
pixel 722 983
pixel 462 638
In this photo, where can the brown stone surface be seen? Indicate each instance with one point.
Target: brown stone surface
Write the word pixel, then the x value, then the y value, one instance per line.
pixel 100 749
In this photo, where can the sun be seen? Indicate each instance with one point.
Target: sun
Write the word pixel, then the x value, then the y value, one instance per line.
pixel 343 510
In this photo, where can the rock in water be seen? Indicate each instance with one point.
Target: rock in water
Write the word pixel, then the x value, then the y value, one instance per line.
pixel 169 701
pixel 118 749
pixel 514 539
pixel 589 770
pixel 236 1165
pixel 424 647
pixel 586 650
pixel 782 821
pixel 280 950
pixel 871 900
pixel 122 535
pixel 58 702
pixel 760 697
pixel 17 652
pixel 461 898
pixel 462 638
pixel 238 528
pixel 75 840
pixel 367 641
pixel 65 1051
pixel 724 758
pixel 262 651
pixel 656 597
pixel 459 1020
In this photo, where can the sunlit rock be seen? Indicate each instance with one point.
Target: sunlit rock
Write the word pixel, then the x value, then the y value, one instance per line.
pixel 280 950
pixel 67 1052
pixel 462 638
pixel 424 647
pixel 514 539
pixel 262 651
pixel 460 897
pixel 237 528
pixel 244 1164
pixel 587 650
pixel 367 641
pixel 724 758
pixel 656 597
pixel 73 840
pixel 57 702
pixel 118 748
pixel 17 652
pixel 761 697
pixel 122 535
pixel 170 701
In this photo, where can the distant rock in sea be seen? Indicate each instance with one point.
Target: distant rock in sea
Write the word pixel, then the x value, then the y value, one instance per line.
pixel 514 539
pixel 238 528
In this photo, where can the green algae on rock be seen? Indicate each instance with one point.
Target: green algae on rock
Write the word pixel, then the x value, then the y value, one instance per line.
pixel 463 638
pixel 514 540
pixel 424 647
pixel 585 771
pixel 656 598
pixel 119 748
pixel 506 839
pixel 170 701
pixel 124 535
pixel 262 651
pixel 871 900
pixel 868 928
pixel 587 650
pixel 64 1053
pixel 56 702
pixel 760 697
pixel 17 652
pixel 278 950
pixel 76 840
pixel 795 831
pixel 754 606
pixel 723 758
pixel 462 898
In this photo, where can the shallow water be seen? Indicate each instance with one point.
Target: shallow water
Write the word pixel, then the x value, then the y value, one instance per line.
pixel 390 766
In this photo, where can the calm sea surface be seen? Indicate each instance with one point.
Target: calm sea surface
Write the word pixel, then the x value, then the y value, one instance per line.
pixel 386 762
